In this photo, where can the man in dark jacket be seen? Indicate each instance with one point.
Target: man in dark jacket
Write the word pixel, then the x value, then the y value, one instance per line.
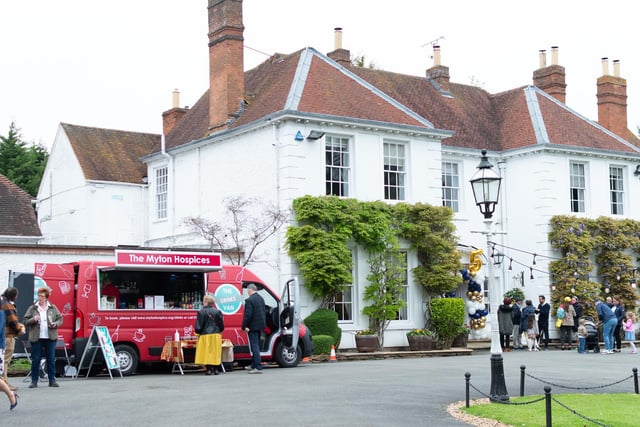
pixel 253 322
pixel 516 316
pixel 577 307
pixel 543 320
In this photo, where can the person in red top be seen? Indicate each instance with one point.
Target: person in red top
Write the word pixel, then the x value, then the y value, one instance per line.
pixel 108 290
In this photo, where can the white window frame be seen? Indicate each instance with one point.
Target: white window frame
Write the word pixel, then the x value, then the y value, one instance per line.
pixel 161 175
pixel 451 185
pixel 337 165
pixel 577 187
pixel 395 170
pixel 616 189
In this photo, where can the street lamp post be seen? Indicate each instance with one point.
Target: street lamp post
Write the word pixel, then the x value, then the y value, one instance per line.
pixel 486 190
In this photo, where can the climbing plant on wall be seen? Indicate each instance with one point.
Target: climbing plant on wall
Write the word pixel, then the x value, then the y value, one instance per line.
pixel 328 226
pixel 611 244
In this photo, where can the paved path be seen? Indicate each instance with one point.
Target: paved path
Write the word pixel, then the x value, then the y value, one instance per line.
pixel 389 392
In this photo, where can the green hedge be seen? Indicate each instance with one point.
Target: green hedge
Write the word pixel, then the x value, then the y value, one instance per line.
pixel 446 317
pixel 324 322
pixel 322 344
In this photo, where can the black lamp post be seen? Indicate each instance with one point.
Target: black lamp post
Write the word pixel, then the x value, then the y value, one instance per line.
pixel 486 189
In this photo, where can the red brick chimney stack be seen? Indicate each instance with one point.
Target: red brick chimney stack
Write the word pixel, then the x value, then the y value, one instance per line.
pixel 439 73
pixel 340 55
pixel 551 79
pixel 612 100
pixel 226 62
pixel 173 116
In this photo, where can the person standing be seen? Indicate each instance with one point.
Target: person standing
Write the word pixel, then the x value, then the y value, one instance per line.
pixel 609 320
pixel 566 329
pixel 582 336
pixel 253 322
pixel 13 397
pixel 532 332
pixel 43 320
pixel 505 324
pixel 543 311
pixel 630 330
pixel 618 310
pixel 209 326
pixel 516 317
pixel 13 328
pixel 577 307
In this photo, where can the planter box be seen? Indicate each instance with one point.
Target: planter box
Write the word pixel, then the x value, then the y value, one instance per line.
pixel 460 340
pixel 420 343
pixel 366 343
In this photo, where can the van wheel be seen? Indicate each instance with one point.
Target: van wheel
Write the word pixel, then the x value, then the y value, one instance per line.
pixel 127 358
pixel 286 358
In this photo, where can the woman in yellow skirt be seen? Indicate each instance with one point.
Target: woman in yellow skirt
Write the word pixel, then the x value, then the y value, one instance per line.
pixel 209 326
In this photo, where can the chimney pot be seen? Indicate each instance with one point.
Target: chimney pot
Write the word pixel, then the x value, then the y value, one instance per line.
pixel 554 55
pixel 605 66
pixel 436 55
pixel 175 98
pixel 338 38
pixel 542 58
pixel 616 68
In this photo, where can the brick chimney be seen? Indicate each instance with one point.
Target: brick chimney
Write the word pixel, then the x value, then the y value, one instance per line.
pixel 439 74
pixel 226 63
pixel 172 116
pixel 612 100
pixel 551 79
pixel 340 55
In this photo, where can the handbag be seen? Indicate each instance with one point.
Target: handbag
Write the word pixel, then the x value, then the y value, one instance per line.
pixel 558 323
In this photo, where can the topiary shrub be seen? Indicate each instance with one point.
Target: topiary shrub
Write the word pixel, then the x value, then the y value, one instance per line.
pixel 322 344
pixel 446 317
pixel 324 322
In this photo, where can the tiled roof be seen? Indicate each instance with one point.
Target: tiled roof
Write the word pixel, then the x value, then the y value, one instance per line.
pixel 17 217
pixel 110 155
pixel 508 120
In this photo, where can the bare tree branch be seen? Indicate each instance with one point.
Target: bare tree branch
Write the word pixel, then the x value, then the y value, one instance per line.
pixel 248 223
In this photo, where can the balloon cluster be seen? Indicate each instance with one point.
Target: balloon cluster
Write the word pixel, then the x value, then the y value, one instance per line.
pixel 474 304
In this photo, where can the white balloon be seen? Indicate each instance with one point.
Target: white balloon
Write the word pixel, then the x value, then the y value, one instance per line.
pixel 472 311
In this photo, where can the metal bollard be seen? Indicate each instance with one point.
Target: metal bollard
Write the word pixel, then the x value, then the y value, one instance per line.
pixel 547 398
pixel 635 379
pixel 522 369
pixel 467 377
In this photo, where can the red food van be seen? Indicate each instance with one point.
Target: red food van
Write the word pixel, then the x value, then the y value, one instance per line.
pixel 144 297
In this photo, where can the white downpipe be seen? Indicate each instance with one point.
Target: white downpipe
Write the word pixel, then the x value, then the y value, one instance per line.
pixel 172 186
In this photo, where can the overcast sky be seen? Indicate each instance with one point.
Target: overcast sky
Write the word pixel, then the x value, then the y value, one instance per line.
pixel 114 64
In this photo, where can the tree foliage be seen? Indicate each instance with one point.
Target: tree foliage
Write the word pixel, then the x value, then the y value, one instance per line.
pixel 240 233
pixel 21 163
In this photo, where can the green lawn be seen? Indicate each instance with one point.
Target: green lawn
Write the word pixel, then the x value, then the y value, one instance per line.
pixel 619 410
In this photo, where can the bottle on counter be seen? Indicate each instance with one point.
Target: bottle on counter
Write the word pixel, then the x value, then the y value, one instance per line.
pixel 176 336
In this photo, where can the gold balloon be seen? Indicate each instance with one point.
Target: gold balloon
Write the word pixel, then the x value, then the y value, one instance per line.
pixel 469 294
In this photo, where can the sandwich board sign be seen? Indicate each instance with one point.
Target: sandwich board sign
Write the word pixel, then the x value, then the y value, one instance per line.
pixel 99 339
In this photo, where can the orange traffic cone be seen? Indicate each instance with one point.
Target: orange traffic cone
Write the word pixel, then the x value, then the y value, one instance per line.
pixel 306 359
pixel 332 358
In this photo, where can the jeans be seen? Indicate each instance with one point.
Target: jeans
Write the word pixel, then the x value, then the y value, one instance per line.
pixel 49 347
pixel 566 333
pixel 582 344
pixel 607 333
pixel 254 345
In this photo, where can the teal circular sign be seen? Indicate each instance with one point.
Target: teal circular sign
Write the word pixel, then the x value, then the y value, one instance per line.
pixel 228 299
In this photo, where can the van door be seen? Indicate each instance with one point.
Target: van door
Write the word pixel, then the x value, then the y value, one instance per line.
pixel 289 315
pixel 60 279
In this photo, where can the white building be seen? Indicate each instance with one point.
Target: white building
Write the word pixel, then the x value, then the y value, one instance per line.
pixel 308 123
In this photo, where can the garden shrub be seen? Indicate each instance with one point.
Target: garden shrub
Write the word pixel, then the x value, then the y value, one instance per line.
pixel 324 322
pixel 446 317
pixel 322 344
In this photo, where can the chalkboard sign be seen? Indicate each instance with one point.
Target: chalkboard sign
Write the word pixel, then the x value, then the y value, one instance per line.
pixel 99 339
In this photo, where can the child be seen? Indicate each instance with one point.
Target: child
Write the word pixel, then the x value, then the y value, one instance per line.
pixel 630 330
pixel 532 332
pixel 582 336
